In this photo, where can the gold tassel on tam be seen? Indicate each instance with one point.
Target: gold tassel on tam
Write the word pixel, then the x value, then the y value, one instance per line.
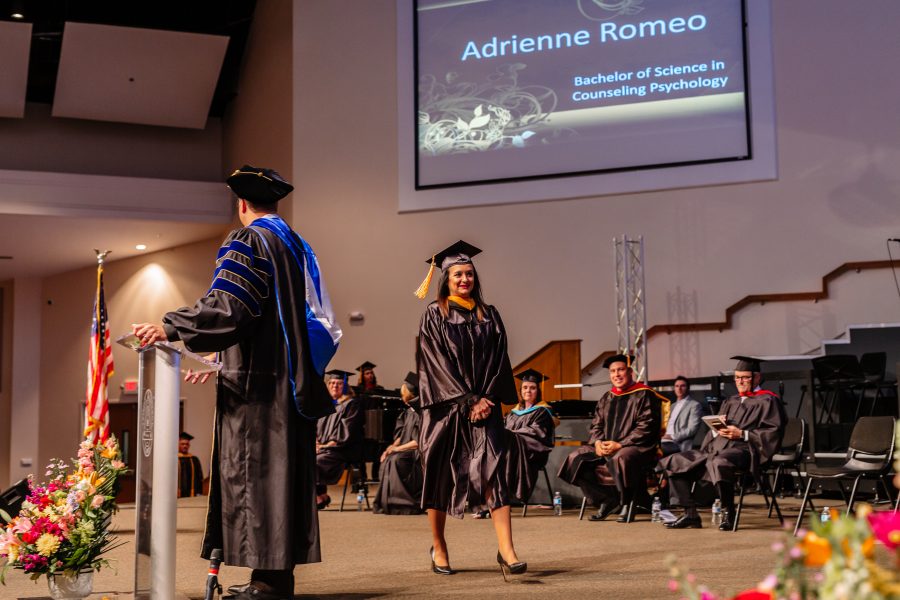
pixel 422 291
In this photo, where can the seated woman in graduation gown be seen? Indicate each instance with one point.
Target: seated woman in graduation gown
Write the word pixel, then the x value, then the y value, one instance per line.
pixel 400 490
pixel 339 436
pixel 531 428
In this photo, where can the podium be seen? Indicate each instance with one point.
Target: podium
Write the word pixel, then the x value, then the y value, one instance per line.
pixel 159 388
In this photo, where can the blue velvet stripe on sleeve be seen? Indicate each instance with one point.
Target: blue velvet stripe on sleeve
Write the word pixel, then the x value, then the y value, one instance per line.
pixel 221 284
pixel 241 274
pixel 249 276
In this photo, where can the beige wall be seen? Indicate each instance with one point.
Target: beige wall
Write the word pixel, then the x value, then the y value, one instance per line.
pixel 549 266
pixel 258 121
pixel 137 290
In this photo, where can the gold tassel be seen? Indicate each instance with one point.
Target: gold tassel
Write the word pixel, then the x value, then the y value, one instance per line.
pixel 422 291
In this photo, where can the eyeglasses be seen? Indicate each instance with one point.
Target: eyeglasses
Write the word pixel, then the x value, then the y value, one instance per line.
pixel 743 377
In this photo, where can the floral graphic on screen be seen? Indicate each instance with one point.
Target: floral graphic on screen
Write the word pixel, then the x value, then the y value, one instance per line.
pixel 459 116
pixel 611 8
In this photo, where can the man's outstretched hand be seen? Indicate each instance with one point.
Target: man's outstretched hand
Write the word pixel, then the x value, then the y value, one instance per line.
pixel 148 333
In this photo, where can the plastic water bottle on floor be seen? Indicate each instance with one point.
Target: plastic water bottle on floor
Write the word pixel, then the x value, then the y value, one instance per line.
pixel 557 504
pixel 717 513
pixel 655 509
pixel 826 515
pixel 360 498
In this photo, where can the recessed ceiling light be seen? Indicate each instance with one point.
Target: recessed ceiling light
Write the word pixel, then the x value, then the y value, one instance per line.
pixel 17 15
pixel 141 247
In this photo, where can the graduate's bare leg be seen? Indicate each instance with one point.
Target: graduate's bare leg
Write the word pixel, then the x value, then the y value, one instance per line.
pixel 438 520
pixel 502 519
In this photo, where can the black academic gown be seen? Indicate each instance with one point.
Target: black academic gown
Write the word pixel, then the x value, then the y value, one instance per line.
pixel 761 415
pixel 461 360
pixel 631 417
pixel 345 428
pixel 190 476
pixel 400 489
pixel 530 438
pixel 261 509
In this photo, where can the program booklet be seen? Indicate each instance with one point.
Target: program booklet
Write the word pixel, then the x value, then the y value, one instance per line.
pixel 715 422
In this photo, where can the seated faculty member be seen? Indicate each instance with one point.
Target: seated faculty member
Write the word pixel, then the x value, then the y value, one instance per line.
pixel 400 489
pixel 339 436
pixel 190 473
pixel 624 441
pixel 755 422
pixel 684 419
pixel 531 428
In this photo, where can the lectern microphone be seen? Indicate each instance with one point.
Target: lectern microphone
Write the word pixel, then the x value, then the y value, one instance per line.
pixel 212 577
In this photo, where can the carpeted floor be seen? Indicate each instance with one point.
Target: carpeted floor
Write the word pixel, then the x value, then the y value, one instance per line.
pixel 377 556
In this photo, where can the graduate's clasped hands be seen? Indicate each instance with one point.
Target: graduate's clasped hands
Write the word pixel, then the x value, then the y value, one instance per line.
pixel 480 411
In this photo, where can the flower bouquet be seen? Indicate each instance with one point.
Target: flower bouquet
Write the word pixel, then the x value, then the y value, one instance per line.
pixel 63 526
pixel 834 560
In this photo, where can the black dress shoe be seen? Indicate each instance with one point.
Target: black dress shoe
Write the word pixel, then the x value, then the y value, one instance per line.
pixel 685 522
pixel 251 592
pixel 237 589
pixel 623 516
pixel 516 568
pixel 438 569
pixel 726 525
pixel 604 511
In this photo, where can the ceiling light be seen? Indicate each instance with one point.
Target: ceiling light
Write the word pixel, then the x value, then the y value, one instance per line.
pixel 141 247
pixel 18 11
pixel 17 15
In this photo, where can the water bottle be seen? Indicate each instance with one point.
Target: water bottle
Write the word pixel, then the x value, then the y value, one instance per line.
pixel 826 515
pixel 655 510
pixel 360 498
pixel 717 513
pixel 557 504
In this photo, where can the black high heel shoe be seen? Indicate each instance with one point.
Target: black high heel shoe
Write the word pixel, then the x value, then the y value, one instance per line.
pixel 514 569
pixel 438 569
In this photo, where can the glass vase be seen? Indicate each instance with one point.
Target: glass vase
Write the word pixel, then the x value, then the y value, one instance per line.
pixel 64 586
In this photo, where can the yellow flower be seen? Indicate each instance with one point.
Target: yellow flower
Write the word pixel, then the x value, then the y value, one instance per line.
pixel 47 544
pixel 13 554
pixel 109 452
pixel 816 550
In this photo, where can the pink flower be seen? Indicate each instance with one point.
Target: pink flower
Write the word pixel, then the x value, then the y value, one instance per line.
pixel 118 464
pixel 796 552
pixel 97 502
pixel 79 496
pixel 777 547
pixel 886 528
pixel 673 585
pixel 21 525
pixel 768 583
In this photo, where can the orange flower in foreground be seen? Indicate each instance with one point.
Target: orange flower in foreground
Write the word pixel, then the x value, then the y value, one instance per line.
pixel 816 550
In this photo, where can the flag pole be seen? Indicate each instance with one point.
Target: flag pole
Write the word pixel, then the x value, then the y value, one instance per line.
pixel 99 368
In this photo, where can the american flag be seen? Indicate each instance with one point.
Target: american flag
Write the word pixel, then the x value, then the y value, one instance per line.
pixel 100 367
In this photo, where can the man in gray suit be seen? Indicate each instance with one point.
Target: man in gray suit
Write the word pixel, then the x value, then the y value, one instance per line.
pixel 684 419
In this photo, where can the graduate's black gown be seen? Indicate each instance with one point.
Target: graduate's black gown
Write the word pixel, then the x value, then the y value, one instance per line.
pixel 345 427
pixel 530 438
pixel 400 489
pixel 461 360
pixel 190 476
pixel 261 509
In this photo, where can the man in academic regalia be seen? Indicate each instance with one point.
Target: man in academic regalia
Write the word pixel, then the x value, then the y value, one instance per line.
pixel 190 473
pixel 339 436
pixel 400 488
pixel 624 440
pixel 268 315
pixel 754 424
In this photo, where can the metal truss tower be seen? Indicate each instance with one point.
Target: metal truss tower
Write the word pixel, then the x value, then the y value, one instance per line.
pixel 631 313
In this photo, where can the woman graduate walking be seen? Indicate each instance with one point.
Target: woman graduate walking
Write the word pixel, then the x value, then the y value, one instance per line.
pixel 464 377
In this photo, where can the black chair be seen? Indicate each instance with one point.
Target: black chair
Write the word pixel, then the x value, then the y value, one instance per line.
pixel 12 498
pixel 874 368
pixel 549 491
pixel 790 455
pixel 762 483
pixel 838 376
pixel 868 457
pixel 356 472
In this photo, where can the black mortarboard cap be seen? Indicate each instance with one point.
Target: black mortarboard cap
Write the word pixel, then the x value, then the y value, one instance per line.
pixel 628 359
pixel 258 185
pixel 460 253
pixel 184 435
pixel 747 363
pixel 338 374
pixel 532 375
pixel 366 365
pixel 412 382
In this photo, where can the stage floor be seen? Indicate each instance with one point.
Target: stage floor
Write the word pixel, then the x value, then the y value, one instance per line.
pixel 377 556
